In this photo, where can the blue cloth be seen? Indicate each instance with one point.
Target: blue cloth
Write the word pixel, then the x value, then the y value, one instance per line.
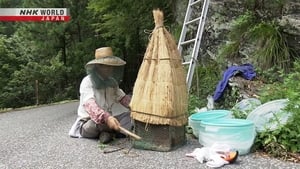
pixel 246 71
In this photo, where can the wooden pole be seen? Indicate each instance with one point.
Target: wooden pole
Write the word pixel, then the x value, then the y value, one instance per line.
pixel 130 133
pixel 37 91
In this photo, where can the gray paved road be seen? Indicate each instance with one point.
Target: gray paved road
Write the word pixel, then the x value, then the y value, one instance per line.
pixel 37 139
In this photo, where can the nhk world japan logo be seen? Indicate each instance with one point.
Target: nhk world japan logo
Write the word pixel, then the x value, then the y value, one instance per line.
pixel 35 14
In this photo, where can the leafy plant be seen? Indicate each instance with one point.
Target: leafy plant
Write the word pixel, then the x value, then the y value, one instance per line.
pixel 268 142
pixel 286 138
pixel 205 79
pixel 242 111
pixel 267 41
pixel 230 97
pixel 236 36
pixel 194 102
pixel 272 45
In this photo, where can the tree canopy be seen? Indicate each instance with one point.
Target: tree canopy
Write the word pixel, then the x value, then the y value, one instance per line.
pixel 43 62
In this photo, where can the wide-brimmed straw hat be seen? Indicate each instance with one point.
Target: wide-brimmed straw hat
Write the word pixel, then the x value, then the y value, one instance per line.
pixel 105 56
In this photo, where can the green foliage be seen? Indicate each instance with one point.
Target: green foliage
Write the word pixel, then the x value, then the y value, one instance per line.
pixel 54 54
pixel 274 88
pixel 205 79
pixel 265 37
pixel 241 25
pixel 230 97
pixel 123 24
pixel 272 75
pixel 194 102
pixel 229 50
pixel 265 8
pixel 239 114
pixel 237 36
pixel 281 142
pixel 268 142
pixel 274 49
pixel 9 63
pixel 242 113
pixel 286 138
pixel 256 37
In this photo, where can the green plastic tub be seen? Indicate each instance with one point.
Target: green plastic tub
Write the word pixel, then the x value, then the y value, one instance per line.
pixel 239 134
pixel 196 118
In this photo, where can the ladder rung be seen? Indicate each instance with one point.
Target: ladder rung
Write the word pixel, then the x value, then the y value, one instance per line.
pixel 188 20
pixel 186 63
pixel 194 3
pixel 187 42
pixel 194 20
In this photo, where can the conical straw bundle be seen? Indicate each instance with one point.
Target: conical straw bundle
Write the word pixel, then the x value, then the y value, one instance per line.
pixel 160 91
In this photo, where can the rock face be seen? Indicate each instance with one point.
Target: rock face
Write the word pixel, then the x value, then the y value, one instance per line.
pixel 220 15
pixel 222 12
pixel 291 22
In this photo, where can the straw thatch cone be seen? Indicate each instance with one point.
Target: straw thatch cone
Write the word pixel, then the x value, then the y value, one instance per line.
pixel 160 91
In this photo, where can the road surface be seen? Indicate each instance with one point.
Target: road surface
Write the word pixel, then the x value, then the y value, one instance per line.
pixel 37 138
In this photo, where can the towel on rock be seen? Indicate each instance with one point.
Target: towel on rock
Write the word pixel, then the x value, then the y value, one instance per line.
pixel 246 71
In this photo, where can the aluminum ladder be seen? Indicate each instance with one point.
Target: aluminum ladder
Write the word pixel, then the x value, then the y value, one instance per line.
pixel 195 41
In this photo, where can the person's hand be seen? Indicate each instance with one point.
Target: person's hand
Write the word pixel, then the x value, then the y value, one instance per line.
pixel 125 101
pixel 113 123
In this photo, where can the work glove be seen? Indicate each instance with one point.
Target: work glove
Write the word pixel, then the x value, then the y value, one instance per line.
pixel 113 123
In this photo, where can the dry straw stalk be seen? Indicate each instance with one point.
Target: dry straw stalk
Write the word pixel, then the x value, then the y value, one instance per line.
pixel 160 91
